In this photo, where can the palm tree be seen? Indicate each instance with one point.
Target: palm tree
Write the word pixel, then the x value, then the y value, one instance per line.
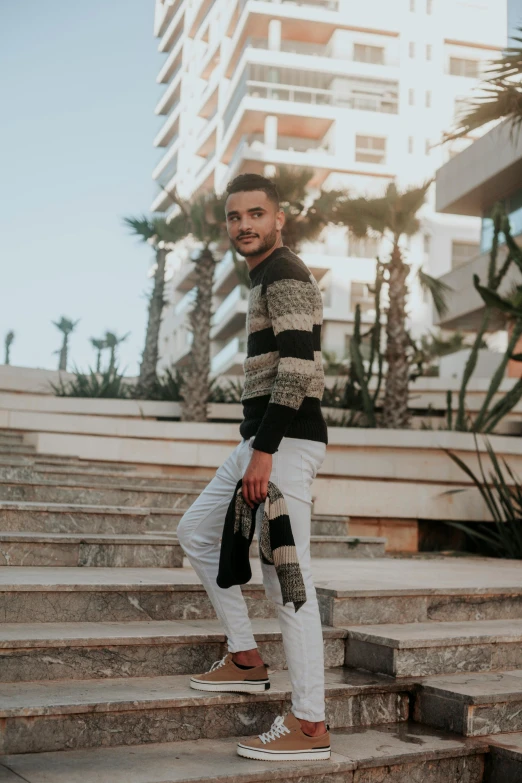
pixel 305 216
pixel 393 216
pixel 162 235
pixel 502 95
pixel 100 345
pixel 203 219
pixel 8 341
pixel 111 342
pixel 66 326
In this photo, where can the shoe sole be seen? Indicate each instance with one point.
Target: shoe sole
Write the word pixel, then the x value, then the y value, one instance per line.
pixel 271 755
pixel 233 687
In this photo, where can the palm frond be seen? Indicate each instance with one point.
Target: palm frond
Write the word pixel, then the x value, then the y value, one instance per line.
pixel 438 290
pixel 141 226
pixel 501 100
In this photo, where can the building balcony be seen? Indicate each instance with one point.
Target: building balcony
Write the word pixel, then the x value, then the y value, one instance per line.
pixel 229 361
pixel 185 303
pixel 225 279
pixel 465 306
pixel 169 129
pixel 167 167
pixel 230 316
pixel 200 10
pixel 171 95
pixel 172 62
pixel 185 279
pixel 164 13
pixel 173 31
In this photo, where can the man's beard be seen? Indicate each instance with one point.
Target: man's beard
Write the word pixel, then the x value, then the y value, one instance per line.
pixel 267 243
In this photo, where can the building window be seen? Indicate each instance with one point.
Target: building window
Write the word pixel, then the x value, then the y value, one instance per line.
pixel 360 294
pixel 460 67
pixel 427 243
pixel 410 144
pixel 429 7
pixel 412 49
pixel 363 53
pixel 370 149
pixel 462 252
pixel 428 51
pixel 428 99
pixel 363 247
pixel 411 96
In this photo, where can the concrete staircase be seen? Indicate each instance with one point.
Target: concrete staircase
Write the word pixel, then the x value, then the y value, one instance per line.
pixel 102 623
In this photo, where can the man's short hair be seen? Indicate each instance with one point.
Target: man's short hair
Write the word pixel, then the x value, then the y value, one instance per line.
pixel 247 182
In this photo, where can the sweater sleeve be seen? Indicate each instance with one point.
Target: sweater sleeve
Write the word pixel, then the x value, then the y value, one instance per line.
pixel 290 301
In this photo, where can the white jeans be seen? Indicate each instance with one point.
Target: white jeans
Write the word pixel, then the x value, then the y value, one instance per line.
pixel 293 469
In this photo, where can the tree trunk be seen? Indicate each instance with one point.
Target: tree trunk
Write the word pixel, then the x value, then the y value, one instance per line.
pixel 62 364
pixel 395 411
pixel 196 377
pixel 147 378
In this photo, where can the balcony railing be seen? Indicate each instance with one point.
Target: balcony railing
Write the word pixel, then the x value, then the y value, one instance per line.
pixel 313 95
pixel 222 360
pixel 168 172
pixel 238 294
pixel 331 5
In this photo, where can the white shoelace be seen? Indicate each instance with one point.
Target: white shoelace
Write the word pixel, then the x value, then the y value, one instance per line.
pixel 218 664
pixel 277 730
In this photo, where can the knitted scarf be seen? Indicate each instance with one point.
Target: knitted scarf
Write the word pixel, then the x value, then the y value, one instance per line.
pixel 276 545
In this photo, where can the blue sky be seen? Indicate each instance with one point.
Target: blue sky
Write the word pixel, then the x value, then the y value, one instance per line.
pixel 514 14
pixel 77 95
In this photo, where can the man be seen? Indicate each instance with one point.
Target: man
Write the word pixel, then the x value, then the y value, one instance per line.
pixel 284 439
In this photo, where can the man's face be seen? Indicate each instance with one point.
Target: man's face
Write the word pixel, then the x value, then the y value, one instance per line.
pixel 253 222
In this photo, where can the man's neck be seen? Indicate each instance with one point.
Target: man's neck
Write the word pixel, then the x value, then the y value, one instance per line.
pixel 253 261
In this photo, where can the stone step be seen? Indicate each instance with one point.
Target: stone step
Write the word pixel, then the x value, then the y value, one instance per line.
pixel 323 525
pixel 100 550
pixel 75 518
pixel 114 594
pixel 396 753
pixel 57 715
pixel 472 704
pixel 12 449
pixel 422 649
pixel 422 590
pixel 340 546
pixel 88 492
pixel 47 650
pixel 106 477
pixel 504 762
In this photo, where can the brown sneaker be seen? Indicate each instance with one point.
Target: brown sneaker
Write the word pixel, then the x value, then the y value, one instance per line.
pixel 224 675
pixel 286 741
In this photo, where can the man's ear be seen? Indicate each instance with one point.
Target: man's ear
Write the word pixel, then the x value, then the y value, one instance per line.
pixel 280 219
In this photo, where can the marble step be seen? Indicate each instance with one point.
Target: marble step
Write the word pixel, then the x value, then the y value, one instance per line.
pixel 47 650
pixel 89 493
pixel 60 715
pixel 19 516
pixel 419 591
pixel 422 649
pixel 67 594
pixel 331 546
pixel 113 477
pixel 472 704
pixel 9 449
pixel 504 761
pixel 396 753
pixel 99 550
pixel 323 525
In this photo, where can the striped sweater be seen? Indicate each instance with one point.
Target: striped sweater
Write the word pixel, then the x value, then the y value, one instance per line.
pixel 284 377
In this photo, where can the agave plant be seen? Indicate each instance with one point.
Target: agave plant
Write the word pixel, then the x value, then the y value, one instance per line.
pixel 110 384
pixel 8 341
pixel 501 491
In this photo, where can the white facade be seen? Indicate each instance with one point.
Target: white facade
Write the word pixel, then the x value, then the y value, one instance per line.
pixel 360 92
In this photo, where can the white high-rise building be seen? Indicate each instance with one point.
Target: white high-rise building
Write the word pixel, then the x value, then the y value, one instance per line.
pixel 359 92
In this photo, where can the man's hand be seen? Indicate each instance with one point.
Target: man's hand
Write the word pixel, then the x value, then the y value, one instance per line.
pixel 255 480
